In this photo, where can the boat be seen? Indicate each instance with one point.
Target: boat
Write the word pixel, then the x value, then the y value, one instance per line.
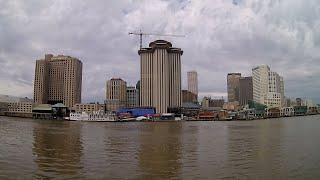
pixel 167 116
pixel 94 116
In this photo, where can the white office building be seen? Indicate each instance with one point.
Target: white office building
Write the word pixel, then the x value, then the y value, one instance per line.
pixel 268 87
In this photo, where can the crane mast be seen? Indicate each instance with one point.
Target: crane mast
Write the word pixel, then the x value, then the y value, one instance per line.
pixel 140 34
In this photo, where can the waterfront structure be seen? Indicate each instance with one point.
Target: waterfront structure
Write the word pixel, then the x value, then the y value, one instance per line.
pixel 116 94
pixel 160 65
pixel 188 97
pixel 231 106
pixel 233 84
pixel 15 106
pixel 132 96
pixel 20 109
pixel 245 90
pixel 88 108
pixel 3 108
pixel 193 82
pixel 58 79
pixel 268 87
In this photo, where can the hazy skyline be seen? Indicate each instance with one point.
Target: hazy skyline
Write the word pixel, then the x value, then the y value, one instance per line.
pixel 222 36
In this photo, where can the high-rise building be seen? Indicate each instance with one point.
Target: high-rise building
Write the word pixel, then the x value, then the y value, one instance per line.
pixel 268 87
pixel 245 90
pixel 160 76
pixel 260 82
pixel 116 94
pixel 132 96
pixel 193 82
pixel 233 86
pixel 58 79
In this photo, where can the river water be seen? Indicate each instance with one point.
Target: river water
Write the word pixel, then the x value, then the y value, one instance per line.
pixel 287 148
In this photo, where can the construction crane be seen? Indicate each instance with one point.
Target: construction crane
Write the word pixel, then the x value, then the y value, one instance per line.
pixel 140 34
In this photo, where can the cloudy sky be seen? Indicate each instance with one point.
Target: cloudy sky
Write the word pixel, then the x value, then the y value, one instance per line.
pixel 222 36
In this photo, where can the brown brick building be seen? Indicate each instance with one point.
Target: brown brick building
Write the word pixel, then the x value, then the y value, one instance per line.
pixel 233 86
pixel 245 90
pixel 116 94
pixel 188 97
pixel 58 79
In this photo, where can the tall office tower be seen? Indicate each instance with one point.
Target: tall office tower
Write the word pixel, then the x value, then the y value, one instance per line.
pixel 116 94
pixel 58 79
pixel 260 82
pixel 132 96
pixel 268 87
pixel 193 82
pixel 160 76
pixel 233 86
pixel 245 90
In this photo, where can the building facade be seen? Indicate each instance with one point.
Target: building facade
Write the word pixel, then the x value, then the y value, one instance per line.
pixel 88 108
pixel 216 102
pixel 188 97
pixel 233 86
pixel 193 82
pixel 138 93
pixel 116 94
pixel 160 86
pixel 245 90
pixel 20 107
pixel 268 87
pixel 132 96
pixel 209 102
pixel 58 79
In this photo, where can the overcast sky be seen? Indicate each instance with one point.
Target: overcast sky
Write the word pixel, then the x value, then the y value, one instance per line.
pixel 222 36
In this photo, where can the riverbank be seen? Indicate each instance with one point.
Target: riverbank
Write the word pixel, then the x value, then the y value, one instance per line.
pixel 182 120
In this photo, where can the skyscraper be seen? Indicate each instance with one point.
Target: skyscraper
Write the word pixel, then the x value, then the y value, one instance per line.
pixel 245 90
pixel 233 86
pixel 160 76
pixel 260 82
pixel 268 87
pixel 193 82
pixel 116 94
pixel 58 79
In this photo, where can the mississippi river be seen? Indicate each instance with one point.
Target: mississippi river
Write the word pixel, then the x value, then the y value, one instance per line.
pixel 286 148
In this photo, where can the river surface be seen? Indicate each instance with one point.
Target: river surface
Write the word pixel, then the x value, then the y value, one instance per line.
pixel 287 148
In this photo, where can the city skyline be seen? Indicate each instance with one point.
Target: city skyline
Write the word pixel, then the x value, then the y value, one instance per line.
pixel 217 40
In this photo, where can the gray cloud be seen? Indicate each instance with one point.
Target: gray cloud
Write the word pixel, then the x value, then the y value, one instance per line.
pixel 222 37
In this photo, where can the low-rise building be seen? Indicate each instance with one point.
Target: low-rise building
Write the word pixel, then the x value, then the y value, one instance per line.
pixel 231 106
pixel 20 109
pixel 208 102
pixel 188 97
pixel 88 108
pixel 3 108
